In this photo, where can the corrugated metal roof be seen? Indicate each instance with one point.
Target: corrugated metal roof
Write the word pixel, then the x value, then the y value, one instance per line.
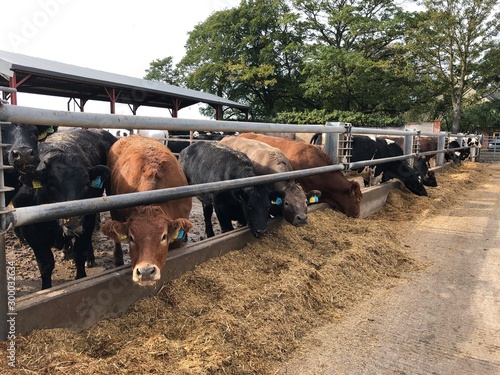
pixel 58 79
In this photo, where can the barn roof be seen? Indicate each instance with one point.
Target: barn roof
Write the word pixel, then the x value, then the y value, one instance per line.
pixel 53 78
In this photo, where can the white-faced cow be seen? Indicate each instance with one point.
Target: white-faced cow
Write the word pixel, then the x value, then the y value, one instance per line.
pixel 340 193
pixel 267 159
pixel 72 167
pixel 205 162
pixel 139 164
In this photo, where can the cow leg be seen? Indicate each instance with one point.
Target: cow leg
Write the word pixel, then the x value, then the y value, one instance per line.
pixel 208 210
pixel 223 214
pixel 89 224
pixel 118 254
pixel 83 247
pixel 40 237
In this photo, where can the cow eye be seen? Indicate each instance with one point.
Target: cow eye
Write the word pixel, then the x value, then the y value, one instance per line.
pixel 164 237
pixel 131 238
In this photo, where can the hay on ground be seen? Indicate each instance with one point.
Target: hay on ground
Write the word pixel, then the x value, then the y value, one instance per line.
pixel 247 311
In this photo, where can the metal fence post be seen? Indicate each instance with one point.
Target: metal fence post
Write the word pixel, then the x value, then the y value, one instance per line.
pixel 3 260
pixel 408 147
pixel 440 146
pixel 332 144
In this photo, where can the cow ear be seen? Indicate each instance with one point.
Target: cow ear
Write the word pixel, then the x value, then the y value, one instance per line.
pixel 277 197
pixel 98 175
pixel 34 179
pixel 313 196
pixel 178 228
pixel 115 230
pixel 241 194
pixel 353 187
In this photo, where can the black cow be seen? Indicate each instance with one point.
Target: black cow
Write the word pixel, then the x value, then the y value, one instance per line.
pixel 365 148
pixel 205 162
pixel 178 142
pixel 72 167
pixel 458 155
pixel 422 166
pixel 21 152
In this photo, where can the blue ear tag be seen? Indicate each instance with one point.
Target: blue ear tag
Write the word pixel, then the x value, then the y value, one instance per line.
pixel 180 235
pixel 313 199
pixel 277 202
pixel 97 183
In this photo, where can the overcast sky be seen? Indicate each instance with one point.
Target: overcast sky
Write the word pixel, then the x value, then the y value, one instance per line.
pixel 119 36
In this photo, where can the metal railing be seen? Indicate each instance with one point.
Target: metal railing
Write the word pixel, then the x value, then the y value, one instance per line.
pixel 28 215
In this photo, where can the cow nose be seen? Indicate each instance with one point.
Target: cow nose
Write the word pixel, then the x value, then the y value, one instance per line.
pixel 146 273
pixel 258 233
pixel 22 155
pixel 300 219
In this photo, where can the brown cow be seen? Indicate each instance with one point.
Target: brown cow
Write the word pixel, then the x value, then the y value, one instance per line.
pixel 336 190
pixel 137 164
pixel 267 160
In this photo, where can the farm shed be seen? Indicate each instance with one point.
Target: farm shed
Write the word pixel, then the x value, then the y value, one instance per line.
pixel 45 77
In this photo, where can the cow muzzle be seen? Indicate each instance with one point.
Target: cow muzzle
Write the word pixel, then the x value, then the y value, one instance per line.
pixel 300 220
pixel 258 233
pixel 72 226
pixel 23 158
pixel 146 274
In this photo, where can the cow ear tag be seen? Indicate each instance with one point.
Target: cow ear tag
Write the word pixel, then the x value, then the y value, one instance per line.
pixel 277 202
pixel 44 135
pixel 313 199
pixel 98 183
pixel 36 184
pixel 122 236
pixel 180 234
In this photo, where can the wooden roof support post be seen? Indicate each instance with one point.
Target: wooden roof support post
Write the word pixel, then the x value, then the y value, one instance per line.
pixel 14 84
pixel 219 112
pixel 174 112
pixel 113 96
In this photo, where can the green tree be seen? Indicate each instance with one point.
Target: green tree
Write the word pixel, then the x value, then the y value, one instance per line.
pixel 449 40
pixel 251 54
pixel 162 70
pixel 481 117
pixel 356 60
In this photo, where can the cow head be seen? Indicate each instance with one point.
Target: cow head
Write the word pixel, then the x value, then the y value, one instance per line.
pixel 256 204
pixel 22 149
pixel 58 179
pixel 293 206
pixel 352 200
pixel 149 231
pixel 409 177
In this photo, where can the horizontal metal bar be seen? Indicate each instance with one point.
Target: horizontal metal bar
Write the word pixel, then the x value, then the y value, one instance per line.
pixel 367 163
pixel 36 214
pixel 382 131
pixel 8 89
pixel 27 115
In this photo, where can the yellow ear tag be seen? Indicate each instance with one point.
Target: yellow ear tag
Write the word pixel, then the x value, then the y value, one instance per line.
pixel 42 136
pixel 36 184
pixel 313 199
pixel 123 237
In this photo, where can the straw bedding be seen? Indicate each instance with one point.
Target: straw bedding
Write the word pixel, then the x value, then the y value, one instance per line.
pixel 247 311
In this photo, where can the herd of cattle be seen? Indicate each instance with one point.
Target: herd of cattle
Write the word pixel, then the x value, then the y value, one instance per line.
pixel 78 164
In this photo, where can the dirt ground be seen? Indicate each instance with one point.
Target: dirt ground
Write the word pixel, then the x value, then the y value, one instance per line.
pixel 442 320
pixel 411 290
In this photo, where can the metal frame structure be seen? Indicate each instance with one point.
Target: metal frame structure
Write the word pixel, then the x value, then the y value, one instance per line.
pixel 40 76
pixel 22 216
